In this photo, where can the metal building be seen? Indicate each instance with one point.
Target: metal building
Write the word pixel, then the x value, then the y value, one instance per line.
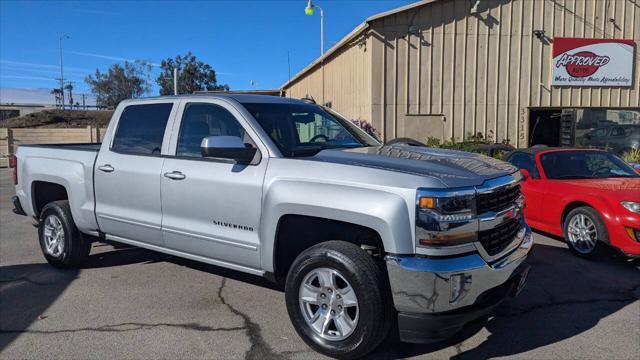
pixel 452 68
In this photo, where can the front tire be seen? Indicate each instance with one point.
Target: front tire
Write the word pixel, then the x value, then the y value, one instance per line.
pixel 585 233
pixel 338 300
pixel 62 244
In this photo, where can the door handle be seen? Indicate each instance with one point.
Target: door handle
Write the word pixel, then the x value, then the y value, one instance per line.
pixel 175 175
pixel 106 168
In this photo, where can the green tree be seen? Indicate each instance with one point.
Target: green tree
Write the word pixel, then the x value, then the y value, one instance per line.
pixel 120 82
pixel 193 75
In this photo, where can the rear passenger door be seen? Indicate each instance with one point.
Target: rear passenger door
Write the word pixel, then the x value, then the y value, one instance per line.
pixel 211 207
pixel 127 172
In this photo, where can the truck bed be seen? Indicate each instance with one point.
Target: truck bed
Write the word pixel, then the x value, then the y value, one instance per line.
pixel 68 165
pixel 74 146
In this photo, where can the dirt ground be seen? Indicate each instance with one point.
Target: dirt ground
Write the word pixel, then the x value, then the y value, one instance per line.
pixel 57 118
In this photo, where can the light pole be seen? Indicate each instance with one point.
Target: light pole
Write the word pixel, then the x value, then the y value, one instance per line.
pixel 62 37
pixel 309 11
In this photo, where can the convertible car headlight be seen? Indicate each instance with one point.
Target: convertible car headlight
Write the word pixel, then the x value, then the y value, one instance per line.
pixel 631 206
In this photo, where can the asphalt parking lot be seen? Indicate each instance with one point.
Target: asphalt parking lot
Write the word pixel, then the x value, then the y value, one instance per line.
pixel 132 303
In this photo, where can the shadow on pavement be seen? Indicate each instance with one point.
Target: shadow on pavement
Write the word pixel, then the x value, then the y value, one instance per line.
pixel 125 255
pixel 26 291
pixel 564 297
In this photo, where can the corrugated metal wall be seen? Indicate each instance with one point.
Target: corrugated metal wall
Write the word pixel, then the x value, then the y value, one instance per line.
pixel 347 81
pixel 483 71
pixel 480 72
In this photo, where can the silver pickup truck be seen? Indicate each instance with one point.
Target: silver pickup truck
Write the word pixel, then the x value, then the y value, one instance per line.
pixel 365 236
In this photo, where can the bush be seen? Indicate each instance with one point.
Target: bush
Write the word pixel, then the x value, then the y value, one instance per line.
pixel 470 144
pixel 631 156
pixel 367 127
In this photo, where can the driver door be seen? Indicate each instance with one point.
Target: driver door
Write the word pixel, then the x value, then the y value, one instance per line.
pixel 211 207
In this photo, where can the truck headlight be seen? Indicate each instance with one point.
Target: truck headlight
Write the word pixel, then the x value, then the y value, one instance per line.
pixel 446 220
pixel 454 205
pixel 631 206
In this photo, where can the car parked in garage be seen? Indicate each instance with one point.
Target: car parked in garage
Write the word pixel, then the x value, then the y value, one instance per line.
pixel 590 197
pixel 617 137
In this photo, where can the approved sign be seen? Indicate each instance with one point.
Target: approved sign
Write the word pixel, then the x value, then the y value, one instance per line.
pixel 592 62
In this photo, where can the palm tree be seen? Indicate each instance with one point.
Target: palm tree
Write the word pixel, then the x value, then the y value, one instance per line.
pixel 69 88
pixel 57 93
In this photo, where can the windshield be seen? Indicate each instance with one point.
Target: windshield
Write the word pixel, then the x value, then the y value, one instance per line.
pixel 584 165
pixel 305 129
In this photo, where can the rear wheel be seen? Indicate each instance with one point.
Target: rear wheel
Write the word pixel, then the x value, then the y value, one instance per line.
pixel 338 301
pixel 61 242
pixel 585 233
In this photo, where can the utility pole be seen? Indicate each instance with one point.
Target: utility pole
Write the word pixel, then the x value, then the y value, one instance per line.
pixel 63 36
pixel 84 106
pixel 175 81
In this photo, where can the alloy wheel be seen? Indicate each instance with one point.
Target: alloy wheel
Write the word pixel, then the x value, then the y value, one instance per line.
pixel 329 304
pixel 582 233
pixel 53 236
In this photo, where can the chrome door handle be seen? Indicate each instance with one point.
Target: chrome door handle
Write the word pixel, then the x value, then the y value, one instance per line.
pixel 175 175
pixel 106 168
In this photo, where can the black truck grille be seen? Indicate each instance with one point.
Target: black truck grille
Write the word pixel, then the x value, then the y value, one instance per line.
pixel 497 200
pixel 497 239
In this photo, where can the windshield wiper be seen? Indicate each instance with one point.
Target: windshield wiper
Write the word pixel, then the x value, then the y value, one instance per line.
pixel 312 150
pixel 621 176
pixel 573 177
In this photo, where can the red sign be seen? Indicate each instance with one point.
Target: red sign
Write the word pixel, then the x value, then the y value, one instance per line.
pixel 592 62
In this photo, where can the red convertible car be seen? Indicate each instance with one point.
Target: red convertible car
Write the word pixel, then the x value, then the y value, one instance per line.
pixel 590 197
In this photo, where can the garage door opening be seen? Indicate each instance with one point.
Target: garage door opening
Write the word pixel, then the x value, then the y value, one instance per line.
pixel 615 129
pixel 544 127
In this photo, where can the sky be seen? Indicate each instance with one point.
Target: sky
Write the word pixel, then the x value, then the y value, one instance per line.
pixel 246 42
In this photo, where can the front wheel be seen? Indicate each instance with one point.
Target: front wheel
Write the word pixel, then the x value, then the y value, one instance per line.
pixel 338 301
pixel 585 233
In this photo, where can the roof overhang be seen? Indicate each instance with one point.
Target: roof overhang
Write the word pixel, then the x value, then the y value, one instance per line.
pixel 353 35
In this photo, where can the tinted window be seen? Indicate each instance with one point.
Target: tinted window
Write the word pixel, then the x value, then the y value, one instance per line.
pixel 141 129
pixel 302 129
pixel 584 165
pixel 525 161
pixel 202 120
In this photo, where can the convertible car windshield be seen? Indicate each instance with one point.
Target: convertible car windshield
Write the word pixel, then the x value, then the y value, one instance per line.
pixel 304 129
pixel 584 165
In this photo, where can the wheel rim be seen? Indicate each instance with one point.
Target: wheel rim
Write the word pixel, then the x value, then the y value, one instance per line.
pixel 582 233
pixel 329 304
pixel 53 236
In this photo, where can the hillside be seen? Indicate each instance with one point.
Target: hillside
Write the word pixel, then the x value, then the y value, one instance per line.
pixel 56 118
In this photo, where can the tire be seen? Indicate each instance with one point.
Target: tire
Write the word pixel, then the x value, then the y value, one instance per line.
pixel 355 268
pixel 68 248
pixel 599 236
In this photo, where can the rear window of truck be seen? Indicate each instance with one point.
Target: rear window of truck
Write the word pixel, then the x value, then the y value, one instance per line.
pixel 141 129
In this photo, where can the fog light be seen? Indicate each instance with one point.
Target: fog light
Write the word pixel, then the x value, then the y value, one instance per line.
pixel 457 284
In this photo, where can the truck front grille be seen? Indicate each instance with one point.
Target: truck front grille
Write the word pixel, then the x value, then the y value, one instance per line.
pixel 497 239
pixel 497 200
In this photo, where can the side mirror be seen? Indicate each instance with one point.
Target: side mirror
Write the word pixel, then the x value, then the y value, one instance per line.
pixel 526 175
pixel 227 147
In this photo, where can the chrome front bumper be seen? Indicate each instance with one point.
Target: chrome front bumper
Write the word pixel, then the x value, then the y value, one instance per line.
pixel 434 285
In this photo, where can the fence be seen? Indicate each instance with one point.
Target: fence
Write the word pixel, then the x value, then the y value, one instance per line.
pixel 10 139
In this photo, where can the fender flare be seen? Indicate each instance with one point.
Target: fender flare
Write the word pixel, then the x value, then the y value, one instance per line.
pixel 384 212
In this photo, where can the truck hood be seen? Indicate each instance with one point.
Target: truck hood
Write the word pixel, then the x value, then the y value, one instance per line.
pixel 453 168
